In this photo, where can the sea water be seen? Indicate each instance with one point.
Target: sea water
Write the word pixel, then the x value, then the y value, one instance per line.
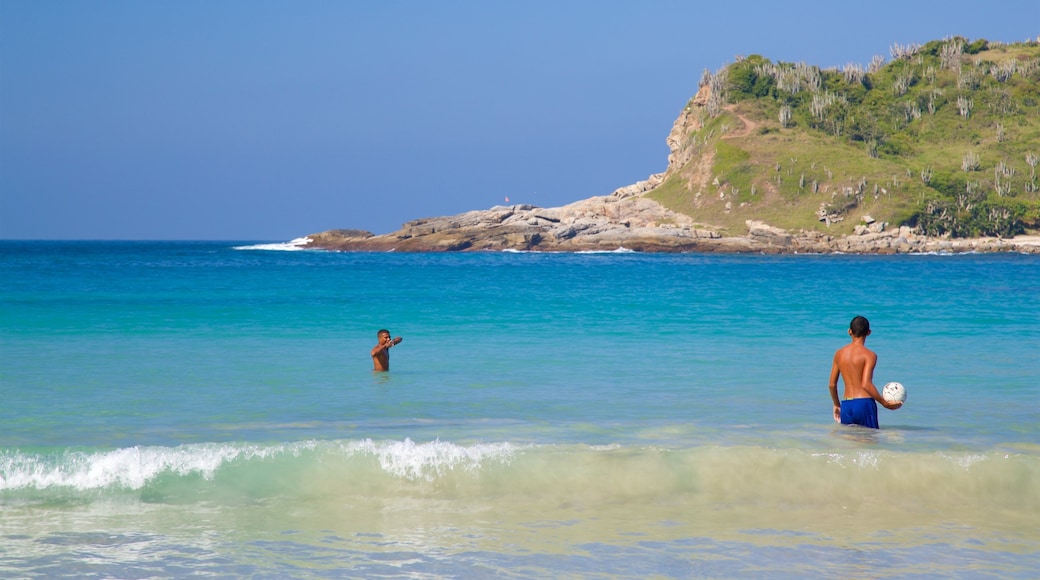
pixel 174 409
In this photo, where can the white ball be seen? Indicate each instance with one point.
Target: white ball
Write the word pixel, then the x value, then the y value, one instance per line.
pixel 894 393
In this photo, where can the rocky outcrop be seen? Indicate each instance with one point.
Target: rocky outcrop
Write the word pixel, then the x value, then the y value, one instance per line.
pixel 638 224
pixel 689 120
pixel 622 220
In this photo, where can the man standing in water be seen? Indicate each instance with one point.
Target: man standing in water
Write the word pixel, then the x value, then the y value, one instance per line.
pixel 855 364
pixel 381 351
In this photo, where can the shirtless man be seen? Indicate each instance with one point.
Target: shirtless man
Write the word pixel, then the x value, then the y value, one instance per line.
pixel 855 364
pixel 381 351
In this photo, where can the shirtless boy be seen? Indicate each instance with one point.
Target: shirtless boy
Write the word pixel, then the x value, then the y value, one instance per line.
pixel 381 351
pixel 855 364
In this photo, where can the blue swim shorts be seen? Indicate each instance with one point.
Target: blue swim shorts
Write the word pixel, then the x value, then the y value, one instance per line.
pixel 861 412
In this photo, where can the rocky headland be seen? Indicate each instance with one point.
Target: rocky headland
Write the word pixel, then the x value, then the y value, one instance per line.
pixel 629 220
pixel 632 218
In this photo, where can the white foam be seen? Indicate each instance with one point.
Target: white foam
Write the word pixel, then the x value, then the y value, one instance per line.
pixel 292 246
pixel 135 467
pixel 131 467
pixel 965 461
pixel 619 250
pixel 409 460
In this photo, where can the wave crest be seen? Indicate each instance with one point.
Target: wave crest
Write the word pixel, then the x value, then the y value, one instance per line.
pixel 130 468
pixel 136 467
pixel 426 461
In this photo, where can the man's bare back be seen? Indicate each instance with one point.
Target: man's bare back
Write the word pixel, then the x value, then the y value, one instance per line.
pixel 855 364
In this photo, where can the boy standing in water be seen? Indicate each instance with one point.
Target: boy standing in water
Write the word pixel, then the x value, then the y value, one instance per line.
pixel 381 351
pixel 855 364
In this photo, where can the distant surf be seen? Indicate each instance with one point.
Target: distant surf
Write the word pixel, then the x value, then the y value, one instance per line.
pixel 619 250
pixel 291 246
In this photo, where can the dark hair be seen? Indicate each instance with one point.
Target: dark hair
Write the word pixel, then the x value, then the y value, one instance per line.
pixel 383 331
pixel 860 327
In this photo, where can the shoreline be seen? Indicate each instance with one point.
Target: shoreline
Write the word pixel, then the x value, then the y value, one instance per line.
pixel 635 223
pixel 732 245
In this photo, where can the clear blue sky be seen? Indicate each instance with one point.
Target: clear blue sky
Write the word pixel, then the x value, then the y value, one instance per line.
pixel 268 120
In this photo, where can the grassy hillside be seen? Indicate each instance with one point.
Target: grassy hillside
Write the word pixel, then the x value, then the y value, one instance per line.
pixel 944 137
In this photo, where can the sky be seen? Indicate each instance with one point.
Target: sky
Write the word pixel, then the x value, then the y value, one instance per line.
pixel 260 120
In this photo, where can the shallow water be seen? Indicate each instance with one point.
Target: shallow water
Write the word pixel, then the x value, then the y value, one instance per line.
pixel 190 408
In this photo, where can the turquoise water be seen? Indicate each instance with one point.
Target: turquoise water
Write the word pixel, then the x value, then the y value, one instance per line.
pixel 172 409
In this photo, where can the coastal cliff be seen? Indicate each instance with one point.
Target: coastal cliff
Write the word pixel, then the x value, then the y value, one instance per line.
pixel 755 165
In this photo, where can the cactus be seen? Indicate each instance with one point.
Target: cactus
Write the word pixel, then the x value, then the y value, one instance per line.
pixel 965 105
pixel 876 63
pixel 967 80
pixel 1031 160
pixel 902 83
pixel 705 78
pixel 911 111
pixel 716 92
pixel 970 162
pixel 853 73
pixel 1003 72
pixel 904 52
pixel 1002 175
pixel 950 53
pixel 931 100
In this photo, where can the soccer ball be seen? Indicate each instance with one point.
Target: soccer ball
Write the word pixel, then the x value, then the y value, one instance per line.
pixel 894 393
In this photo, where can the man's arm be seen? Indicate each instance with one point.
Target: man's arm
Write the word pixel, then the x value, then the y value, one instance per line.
pixel 386 345
pixel 377 349
pixel 833 387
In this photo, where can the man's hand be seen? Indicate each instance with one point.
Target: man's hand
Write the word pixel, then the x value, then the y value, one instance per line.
pixel 837 414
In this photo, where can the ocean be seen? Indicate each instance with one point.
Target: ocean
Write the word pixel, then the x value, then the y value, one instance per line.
pixel 176 409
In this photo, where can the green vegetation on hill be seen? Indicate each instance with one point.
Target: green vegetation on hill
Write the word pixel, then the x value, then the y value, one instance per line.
pixel 945 137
